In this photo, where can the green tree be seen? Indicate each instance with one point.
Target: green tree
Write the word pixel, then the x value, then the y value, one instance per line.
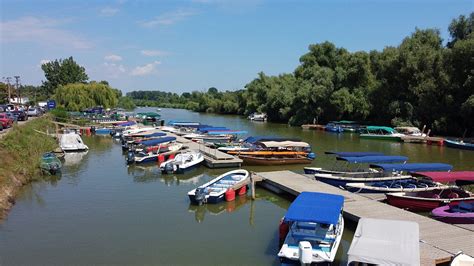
pixel 62 72
pixel 126 103
pixel 79 96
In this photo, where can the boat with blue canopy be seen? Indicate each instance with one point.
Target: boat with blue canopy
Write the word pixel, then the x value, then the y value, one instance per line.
pixel 405 185
pixel 157 141
pixel 312 228
pixel 268 138
pixel 413 167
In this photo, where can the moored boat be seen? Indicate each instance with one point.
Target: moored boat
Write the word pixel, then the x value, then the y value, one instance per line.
pixel 428 200
pixel 182 162
pixel 459 145
pixel 385 242
pixel 214 190
pixel 342 181
pixel 404 185
pixel 462 213
pixel 333 127
pixel 380 133
pixel 71 142
pixel 50 163
pixel 154 154
pixel 312 228
pixel 460 178
pixel 275 160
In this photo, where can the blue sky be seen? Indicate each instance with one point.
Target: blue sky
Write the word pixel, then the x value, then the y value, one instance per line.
pixel 192 45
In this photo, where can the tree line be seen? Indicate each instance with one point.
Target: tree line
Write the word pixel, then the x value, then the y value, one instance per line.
pixel 419 82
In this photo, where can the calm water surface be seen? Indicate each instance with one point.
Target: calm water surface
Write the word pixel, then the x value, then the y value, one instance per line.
pixel 101 212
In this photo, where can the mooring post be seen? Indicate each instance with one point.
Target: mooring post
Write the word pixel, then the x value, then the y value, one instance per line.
pixel 252 184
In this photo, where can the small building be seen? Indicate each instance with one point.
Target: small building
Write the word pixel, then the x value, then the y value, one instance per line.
pixel 22 100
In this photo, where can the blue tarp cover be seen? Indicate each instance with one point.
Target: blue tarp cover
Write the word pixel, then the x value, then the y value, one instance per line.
pixel 414 167
pixel 315 207
pixel 153 142
pixel 126 124
pixel 156 134
pixel 353 154
pixel 268 138
pixel 204 129
pixel 374 159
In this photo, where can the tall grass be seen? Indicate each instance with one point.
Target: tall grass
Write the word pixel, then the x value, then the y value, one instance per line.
pixel 21 150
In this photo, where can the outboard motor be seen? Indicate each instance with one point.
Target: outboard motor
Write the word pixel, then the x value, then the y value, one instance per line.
pixel 53 169
pixel 130 157
pixel 169 168
pixel 311 155
pixel 200 195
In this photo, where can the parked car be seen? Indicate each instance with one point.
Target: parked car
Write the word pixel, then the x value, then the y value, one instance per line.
pixel 33 111
pixel 20 115
pixel 5 120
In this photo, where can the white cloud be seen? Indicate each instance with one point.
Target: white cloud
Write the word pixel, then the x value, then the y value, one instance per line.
pixel 109 11
pixel 113 70
pixel 169 18
pixel 145 70
pixel 113 58
pixel 40 30
pixel 154 53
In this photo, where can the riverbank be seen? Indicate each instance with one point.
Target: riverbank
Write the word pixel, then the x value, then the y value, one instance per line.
pixel 20 150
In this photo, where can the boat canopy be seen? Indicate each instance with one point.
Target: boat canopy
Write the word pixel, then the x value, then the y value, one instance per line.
pixel 205 129
pixel 354 154
pixel 347 122
pixel 447 177
pixel 378 128
pixel 153 142
pixel 285 144
pixel 414 167
pixel 269 138
pixel 315 207
pixel 184 124
pixel 385 242
pixel 151 135
pixel 374 159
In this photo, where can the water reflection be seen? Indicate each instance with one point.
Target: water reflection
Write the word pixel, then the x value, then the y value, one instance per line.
pixel 219 208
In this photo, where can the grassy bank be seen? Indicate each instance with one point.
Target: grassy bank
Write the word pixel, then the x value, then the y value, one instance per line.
pixel 20 152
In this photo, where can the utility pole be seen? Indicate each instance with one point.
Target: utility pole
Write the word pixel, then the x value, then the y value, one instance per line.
pixel 8 87
pixel 17 78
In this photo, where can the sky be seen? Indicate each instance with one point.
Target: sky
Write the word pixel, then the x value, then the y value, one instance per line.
pixel 179 46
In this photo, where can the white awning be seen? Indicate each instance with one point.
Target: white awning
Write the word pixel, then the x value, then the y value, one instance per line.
pixel 385 242
pixel 286 144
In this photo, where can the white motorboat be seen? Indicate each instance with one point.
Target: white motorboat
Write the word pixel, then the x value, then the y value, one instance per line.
pixel 72 142
pixel 182 162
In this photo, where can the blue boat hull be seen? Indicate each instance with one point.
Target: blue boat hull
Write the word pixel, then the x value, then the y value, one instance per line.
pixel 210 200
pixel 458 145
pixel 183 170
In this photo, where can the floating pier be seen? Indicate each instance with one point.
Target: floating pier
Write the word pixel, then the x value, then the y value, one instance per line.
pixel 439 242
pixel 213 158
pixel 428 140
pixel 314 126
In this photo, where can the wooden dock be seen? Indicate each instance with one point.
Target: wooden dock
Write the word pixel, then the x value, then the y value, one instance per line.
pixel 438 241
pixel 428 140
pixel 213 158
pixel 314 126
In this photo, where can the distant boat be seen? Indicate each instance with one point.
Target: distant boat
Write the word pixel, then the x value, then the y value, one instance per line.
pixel 332 127
pixel 410 131
pixel 459 145
pixel 380 133
pixel 182 162
pixel 72 142
pixel 258 117
pixel 312 229
pixel 214 190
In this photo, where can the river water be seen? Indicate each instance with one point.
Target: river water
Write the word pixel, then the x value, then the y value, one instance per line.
pixel 102 212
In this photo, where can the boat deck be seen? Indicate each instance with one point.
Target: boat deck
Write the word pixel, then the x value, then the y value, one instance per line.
pixel 438 241
pixel 213 158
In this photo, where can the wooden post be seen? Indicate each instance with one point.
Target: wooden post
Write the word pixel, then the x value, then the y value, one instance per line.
pixel 252 184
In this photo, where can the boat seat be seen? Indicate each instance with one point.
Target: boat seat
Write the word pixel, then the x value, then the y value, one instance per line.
pixel 312 237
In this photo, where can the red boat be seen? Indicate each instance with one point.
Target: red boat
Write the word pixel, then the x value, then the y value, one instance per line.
pixel 459 177
pixel 425 201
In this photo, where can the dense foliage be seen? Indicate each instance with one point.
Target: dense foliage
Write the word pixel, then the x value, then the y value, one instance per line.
pixel 79 96
pixel 62 72
pixel 420 82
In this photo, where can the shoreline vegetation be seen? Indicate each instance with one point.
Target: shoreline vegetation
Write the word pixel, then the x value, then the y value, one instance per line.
pixel 419 82
pixel 21 150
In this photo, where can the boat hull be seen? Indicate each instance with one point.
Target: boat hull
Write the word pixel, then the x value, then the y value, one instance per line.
pixel 422 204
pixel 442 214
pixel 253 160
pixel 342 181
pixel 459 145
pixel 380 137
